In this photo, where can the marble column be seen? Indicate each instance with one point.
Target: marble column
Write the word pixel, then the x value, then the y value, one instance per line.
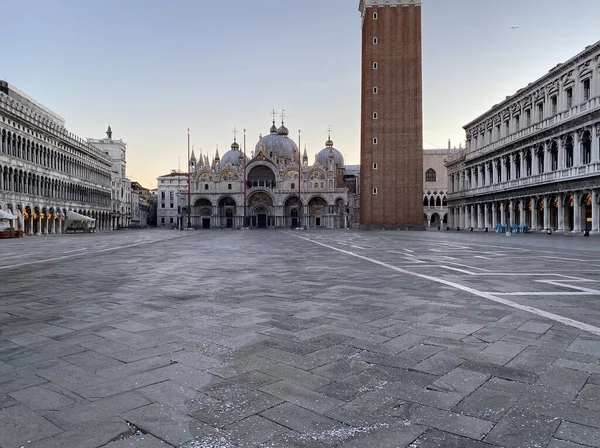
pixel 473 217
pixel 546 212
pixel 576 212
pixel 502 217
pixel 534 223
pixel 576 149
pixel 561 213
pixel 512 213
pixel 596 144
pixel 486 215
pixel 594 210
pixel 522 215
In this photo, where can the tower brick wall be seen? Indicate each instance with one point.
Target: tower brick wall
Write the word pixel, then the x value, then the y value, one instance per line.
pixel 392 114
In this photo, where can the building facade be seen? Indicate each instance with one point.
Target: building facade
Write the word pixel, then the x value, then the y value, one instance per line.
pixel 534 159
pixel 168 196
pixel 274 187
pixel 46 171
pixel 391 114
pixel 120 185
pixel 435 188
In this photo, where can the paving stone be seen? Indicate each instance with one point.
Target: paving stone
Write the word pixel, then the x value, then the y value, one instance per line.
pixel 220 413
pixel 301 396
pixel 104 410
pixel 169 425
pixel 460 381
pixel 556 443
pixel 137 441
pixel 19 380
pixel 508 373
pixel 589 397
pixel 6 401
pixel 308 380
pixel 486 404
pixel 253 431
pixel 501 348
pixel 535 327
pixel 92 436
pixel 232 387
pixel 174 395
pixel 387 435
pixel 92 361
pixel 523 429
pixel 306 422
pixel 461 425
pixel 435 438
pixel 587 345
pixel 565 380
pixel 342 368
pixel 46 397
pixel 583 435
pixel 438 364
pixel 531 361
pixel 19 426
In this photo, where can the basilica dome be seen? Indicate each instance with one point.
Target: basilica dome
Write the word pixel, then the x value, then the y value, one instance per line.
pixel 234 156
pixel 278 144
pixel 323 155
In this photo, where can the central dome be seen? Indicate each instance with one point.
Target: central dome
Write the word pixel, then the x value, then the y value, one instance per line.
pixel 278 144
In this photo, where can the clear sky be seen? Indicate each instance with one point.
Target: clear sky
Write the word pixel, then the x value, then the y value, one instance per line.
pixel 153 68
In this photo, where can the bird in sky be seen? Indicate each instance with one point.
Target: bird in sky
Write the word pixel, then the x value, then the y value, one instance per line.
pixel 514 27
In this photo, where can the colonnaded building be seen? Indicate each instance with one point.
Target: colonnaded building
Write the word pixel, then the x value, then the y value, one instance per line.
pixel 534 159
pixel 45 170
pixel 274 187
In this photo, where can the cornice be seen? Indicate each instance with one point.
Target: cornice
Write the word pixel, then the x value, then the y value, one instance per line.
pixel 561 74
pixel 364 4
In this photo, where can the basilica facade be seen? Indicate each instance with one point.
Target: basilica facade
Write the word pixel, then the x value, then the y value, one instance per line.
pixel 272 187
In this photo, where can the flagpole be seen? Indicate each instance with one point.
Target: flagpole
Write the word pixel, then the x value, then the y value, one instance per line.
pixel 299 180
pixel 189 211
pixel 245 183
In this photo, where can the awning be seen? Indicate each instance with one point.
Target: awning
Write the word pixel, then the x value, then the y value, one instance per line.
pixel 72 216
pixel 6 215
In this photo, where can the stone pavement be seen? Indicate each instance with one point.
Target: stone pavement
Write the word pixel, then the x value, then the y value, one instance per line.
pixel 227 339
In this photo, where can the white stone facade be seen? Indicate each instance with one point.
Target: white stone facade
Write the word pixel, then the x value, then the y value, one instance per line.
pixel 534 159
pixel 45 171
pixel 120 184
pixel 168 209
pixel 435 188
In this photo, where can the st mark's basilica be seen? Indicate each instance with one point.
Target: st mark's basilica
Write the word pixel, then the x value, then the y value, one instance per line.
pixel 272 187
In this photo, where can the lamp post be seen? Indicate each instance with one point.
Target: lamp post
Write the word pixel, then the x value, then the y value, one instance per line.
pixel 189 211
pixel 245 224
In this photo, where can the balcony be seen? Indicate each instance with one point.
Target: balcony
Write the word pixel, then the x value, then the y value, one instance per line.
pixel 537 179
pixel 573 112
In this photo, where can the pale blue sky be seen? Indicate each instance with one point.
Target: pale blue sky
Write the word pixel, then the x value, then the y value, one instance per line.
pixel 154 68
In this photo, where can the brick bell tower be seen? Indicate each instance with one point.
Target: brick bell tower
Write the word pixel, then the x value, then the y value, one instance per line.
pixel 391 156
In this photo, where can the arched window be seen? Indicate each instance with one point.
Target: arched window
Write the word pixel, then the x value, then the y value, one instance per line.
pixel 206 186
pixel 430 175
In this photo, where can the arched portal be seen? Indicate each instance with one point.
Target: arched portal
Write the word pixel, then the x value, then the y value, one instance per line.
pixel 202 213
pixel 261 210
pixel 227 212
pixel 586 209
pixel 317 207
pixel 292 209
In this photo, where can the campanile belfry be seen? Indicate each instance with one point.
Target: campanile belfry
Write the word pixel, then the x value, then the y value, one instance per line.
pixel 391 160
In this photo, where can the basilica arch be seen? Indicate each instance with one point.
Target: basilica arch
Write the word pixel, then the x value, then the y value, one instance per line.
pixel 317 209
pixel 261 210
pixel 292 210
pixel 227 214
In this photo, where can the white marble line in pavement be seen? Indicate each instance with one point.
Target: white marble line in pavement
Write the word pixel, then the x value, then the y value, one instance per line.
pixel 486 295
pixel 66 257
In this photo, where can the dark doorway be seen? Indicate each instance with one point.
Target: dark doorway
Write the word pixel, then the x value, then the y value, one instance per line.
pixel 294 223
pixel 206 223
pixel 318 222
pixel 262 221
